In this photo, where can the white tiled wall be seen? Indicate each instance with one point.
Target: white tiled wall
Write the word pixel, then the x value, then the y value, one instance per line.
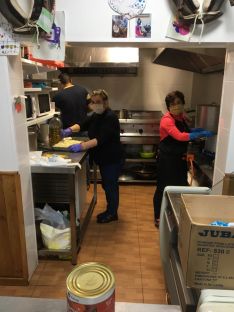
pixel 15 155
pixel 224 162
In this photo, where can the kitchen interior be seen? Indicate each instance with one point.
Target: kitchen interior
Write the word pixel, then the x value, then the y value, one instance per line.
pixel 170 268
pixel 137 85
pixel 137 88
pixel 137 81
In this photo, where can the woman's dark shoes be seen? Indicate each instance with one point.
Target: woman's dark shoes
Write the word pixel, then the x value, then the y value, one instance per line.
pixel 156 223
pixel 102 214
pixel 106 218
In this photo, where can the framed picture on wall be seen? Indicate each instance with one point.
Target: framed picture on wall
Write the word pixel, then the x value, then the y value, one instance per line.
pixel 119 26
pixel 178 29
pixel 143 26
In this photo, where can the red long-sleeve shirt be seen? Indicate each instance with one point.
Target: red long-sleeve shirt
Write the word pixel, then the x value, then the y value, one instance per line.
pixel 168 127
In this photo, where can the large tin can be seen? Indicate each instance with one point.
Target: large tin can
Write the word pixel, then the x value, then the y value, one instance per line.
pixel 91 288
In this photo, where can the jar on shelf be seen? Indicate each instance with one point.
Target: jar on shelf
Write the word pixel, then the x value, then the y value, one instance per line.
pixel 55 127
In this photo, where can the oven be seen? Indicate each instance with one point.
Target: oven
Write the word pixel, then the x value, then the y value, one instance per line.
pixel 140 138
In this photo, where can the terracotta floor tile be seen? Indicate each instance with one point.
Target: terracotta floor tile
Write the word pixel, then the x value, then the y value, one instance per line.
pixel 153 280
pixel 154 296
pixel 50 292
pixel 18 291
pixel 129 295
pixel 130 246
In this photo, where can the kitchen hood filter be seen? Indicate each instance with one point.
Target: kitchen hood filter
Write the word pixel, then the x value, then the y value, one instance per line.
pixel 87 61
pixel 101 70
pixel 190 61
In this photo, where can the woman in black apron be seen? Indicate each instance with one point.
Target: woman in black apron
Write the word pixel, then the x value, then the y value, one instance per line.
pixel 174 137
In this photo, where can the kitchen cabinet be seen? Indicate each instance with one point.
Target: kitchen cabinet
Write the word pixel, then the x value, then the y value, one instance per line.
pixel 13 259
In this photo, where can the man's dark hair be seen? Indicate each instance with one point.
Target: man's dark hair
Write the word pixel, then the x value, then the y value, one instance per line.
pixel 170 98
pixel 64 78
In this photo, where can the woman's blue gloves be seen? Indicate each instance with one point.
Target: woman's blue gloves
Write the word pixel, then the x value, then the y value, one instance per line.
pixel 200 134
pixel 197 129
pixel 66 132
pixel 75 148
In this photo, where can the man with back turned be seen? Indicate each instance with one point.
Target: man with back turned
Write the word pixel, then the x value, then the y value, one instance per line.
pixel 72 101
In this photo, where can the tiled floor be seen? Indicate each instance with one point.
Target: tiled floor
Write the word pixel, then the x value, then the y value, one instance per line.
pixel 129 246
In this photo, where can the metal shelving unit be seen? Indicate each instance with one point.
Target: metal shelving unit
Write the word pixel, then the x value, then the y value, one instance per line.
pixel 31 67
pixel 139 160
pixel 41 119
pixel 32 90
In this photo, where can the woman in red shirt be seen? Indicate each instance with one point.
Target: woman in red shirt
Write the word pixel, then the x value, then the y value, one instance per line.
pixel 174 137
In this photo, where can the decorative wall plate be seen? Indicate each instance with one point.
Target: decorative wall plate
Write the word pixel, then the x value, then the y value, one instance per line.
pixel 128 8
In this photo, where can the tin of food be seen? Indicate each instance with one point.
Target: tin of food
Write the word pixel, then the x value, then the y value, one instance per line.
pixel 91 288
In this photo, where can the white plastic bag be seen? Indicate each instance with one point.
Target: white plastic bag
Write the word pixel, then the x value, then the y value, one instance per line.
pixel 51 217
pixel 55 238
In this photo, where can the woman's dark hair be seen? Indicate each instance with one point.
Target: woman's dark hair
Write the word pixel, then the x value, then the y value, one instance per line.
pixel 170 98
pixel 64 78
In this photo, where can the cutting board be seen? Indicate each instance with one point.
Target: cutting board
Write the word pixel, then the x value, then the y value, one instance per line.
pixel 64 144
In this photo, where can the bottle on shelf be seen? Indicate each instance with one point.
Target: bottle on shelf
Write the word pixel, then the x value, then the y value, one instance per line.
pixel 55 127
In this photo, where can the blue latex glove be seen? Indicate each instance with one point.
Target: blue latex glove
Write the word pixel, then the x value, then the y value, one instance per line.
pixel 200 134
pixel 66 132
pixel 75 148
pixel 197 129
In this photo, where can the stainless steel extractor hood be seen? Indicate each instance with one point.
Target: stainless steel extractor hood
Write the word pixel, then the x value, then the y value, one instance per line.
pixel 202 61
pixel 87 61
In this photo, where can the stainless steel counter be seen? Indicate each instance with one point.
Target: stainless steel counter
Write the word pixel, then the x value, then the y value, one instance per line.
pixel 66 185
pixel 176 287
pixel 20 304
pixel 176 202
pixel 77 160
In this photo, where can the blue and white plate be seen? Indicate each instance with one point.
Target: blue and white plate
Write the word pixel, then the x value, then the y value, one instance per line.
pixel 128 8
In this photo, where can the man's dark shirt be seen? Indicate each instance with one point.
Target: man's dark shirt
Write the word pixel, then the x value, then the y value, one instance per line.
pixel 72 103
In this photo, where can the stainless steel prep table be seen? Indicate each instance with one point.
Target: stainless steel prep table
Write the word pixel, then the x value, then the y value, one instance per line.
pixel 66 185
pixel 179 293
pixel 9 304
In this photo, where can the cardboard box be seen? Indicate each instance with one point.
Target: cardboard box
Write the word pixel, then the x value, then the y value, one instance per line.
pixel 206 251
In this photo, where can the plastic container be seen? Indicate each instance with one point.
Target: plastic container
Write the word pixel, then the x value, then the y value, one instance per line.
pixel 55 127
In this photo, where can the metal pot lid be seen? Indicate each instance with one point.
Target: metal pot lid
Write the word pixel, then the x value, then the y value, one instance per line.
pixel 9 12
pixel 24 8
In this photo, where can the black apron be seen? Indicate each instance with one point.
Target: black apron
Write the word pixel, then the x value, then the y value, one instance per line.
pixel 172 164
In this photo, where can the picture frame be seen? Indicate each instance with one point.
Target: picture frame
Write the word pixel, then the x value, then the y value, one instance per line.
pixel 119 26
pixel 143 26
